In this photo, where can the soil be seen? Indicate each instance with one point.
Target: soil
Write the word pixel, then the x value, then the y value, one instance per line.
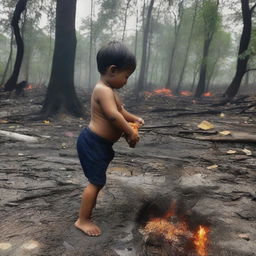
pixel 41 182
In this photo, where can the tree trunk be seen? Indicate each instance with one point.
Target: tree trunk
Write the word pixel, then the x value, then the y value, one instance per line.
pixel 125 18
pixel 177 91
pixel 61 96
pixel 176 34
pixel 150 35
pixel 8 61
pixel 136 40
pixel 90 52
pixel 203 69
pixel 241 67
pixel 12 81
pixel 141 81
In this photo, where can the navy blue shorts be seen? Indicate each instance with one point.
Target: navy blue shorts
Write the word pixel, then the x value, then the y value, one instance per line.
pixel 95 153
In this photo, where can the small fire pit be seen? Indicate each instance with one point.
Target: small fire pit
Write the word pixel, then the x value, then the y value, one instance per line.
pixel 171 231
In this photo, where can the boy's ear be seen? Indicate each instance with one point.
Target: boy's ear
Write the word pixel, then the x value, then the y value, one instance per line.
pixel 112 69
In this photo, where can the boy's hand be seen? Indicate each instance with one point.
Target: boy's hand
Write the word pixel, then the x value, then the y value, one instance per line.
pixel 132 139
pixel 140 121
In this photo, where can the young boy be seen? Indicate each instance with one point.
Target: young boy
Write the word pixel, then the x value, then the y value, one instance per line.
pixel 109 121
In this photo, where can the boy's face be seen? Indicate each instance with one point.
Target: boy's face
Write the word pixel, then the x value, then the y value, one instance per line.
pixel 118 78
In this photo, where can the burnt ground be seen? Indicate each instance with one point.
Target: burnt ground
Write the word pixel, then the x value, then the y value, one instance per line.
pixel 41 183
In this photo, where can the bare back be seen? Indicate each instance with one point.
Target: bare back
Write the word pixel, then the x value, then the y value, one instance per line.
pixel 100 123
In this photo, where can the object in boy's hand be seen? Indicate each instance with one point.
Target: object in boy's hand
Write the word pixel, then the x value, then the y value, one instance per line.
pixel 135 127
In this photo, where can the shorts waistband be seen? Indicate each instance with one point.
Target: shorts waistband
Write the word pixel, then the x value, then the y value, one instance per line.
pixel 98 138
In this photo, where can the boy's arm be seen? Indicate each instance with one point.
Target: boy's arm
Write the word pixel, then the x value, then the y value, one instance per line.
pixel 130 117
pixel 106 99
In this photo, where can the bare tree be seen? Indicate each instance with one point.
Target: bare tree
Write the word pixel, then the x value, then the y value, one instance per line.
pixel 177 25
pixel 12 81
pixel 243 56
pixel 141 80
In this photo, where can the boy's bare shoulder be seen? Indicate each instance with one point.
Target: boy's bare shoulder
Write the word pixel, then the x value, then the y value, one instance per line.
pixel 100 90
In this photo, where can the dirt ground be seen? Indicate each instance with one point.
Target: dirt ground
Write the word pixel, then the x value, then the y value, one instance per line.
pixel 41 182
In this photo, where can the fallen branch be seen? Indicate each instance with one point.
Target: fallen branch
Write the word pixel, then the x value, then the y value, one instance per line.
pixel 158 126
pixel 234 137
pixel 195 113
pixel 18 136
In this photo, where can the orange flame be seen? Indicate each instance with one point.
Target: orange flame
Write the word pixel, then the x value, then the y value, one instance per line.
pixel 29 87
pixel 163 92
pixel 186 93
pixel 207 94
pixel 173 230
pixel 167 229
pixel 201 240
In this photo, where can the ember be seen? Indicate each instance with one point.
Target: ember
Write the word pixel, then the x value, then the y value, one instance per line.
pixel 208 94
pixel 29 87
pixel 186 93
pixel 173 228
pixel 162 92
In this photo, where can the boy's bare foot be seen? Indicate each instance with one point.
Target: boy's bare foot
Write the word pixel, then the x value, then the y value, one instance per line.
pixel 88 227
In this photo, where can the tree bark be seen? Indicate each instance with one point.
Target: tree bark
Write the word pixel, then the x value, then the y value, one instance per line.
pixel 61 96
pixel 203 69
pixel 242 62
pixel 125 18
pixel 141 81
pixel 12 81
pixel 90 51
pixel 176 34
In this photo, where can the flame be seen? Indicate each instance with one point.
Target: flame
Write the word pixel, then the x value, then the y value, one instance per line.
pixel 29 87
pixel 186 93
pixel 169 230
pixel 208 94
pixel 163 92
pixel 172 230
pixel 201 240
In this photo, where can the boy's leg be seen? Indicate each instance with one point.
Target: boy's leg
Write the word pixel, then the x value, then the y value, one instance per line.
pixel 88 202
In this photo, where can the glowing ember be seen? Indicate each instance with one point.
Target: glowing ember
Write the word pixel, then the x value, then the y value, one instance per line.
pixel 186 93
pixel 29 87
pixel 167 229
pixel 172 228
pixel 162 92
pixel 207 94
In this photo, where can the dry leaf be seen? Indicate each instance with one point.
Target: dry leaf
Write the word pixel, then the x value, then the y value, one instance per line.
pixel 247 152
pixel 225 133
pixel 222 115
pixel 212 167
pixel 46 122
pixel 244 236
pixel 205 125
pixel 2 121
pixel 231 151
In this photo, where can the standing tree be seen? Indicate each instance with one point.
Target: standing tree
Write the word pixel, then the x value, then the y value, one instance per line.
pixel 20 7
pixel 141 80
pixel 177 90
pixel 210 18
pixel 177 25
pixel 243 55
pixel 61 95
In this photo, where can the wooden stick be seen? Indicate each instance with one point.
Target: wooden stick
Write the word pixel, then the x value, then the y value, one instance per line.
pixel 18 136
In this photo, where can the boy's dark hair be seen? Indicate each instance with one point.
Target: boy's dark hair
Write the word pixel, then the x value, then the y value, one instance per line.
pixel 115 53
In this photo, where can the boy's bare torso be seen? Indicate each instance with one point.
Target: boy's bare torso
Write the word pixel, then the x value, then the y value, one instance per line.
pixel 99 123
